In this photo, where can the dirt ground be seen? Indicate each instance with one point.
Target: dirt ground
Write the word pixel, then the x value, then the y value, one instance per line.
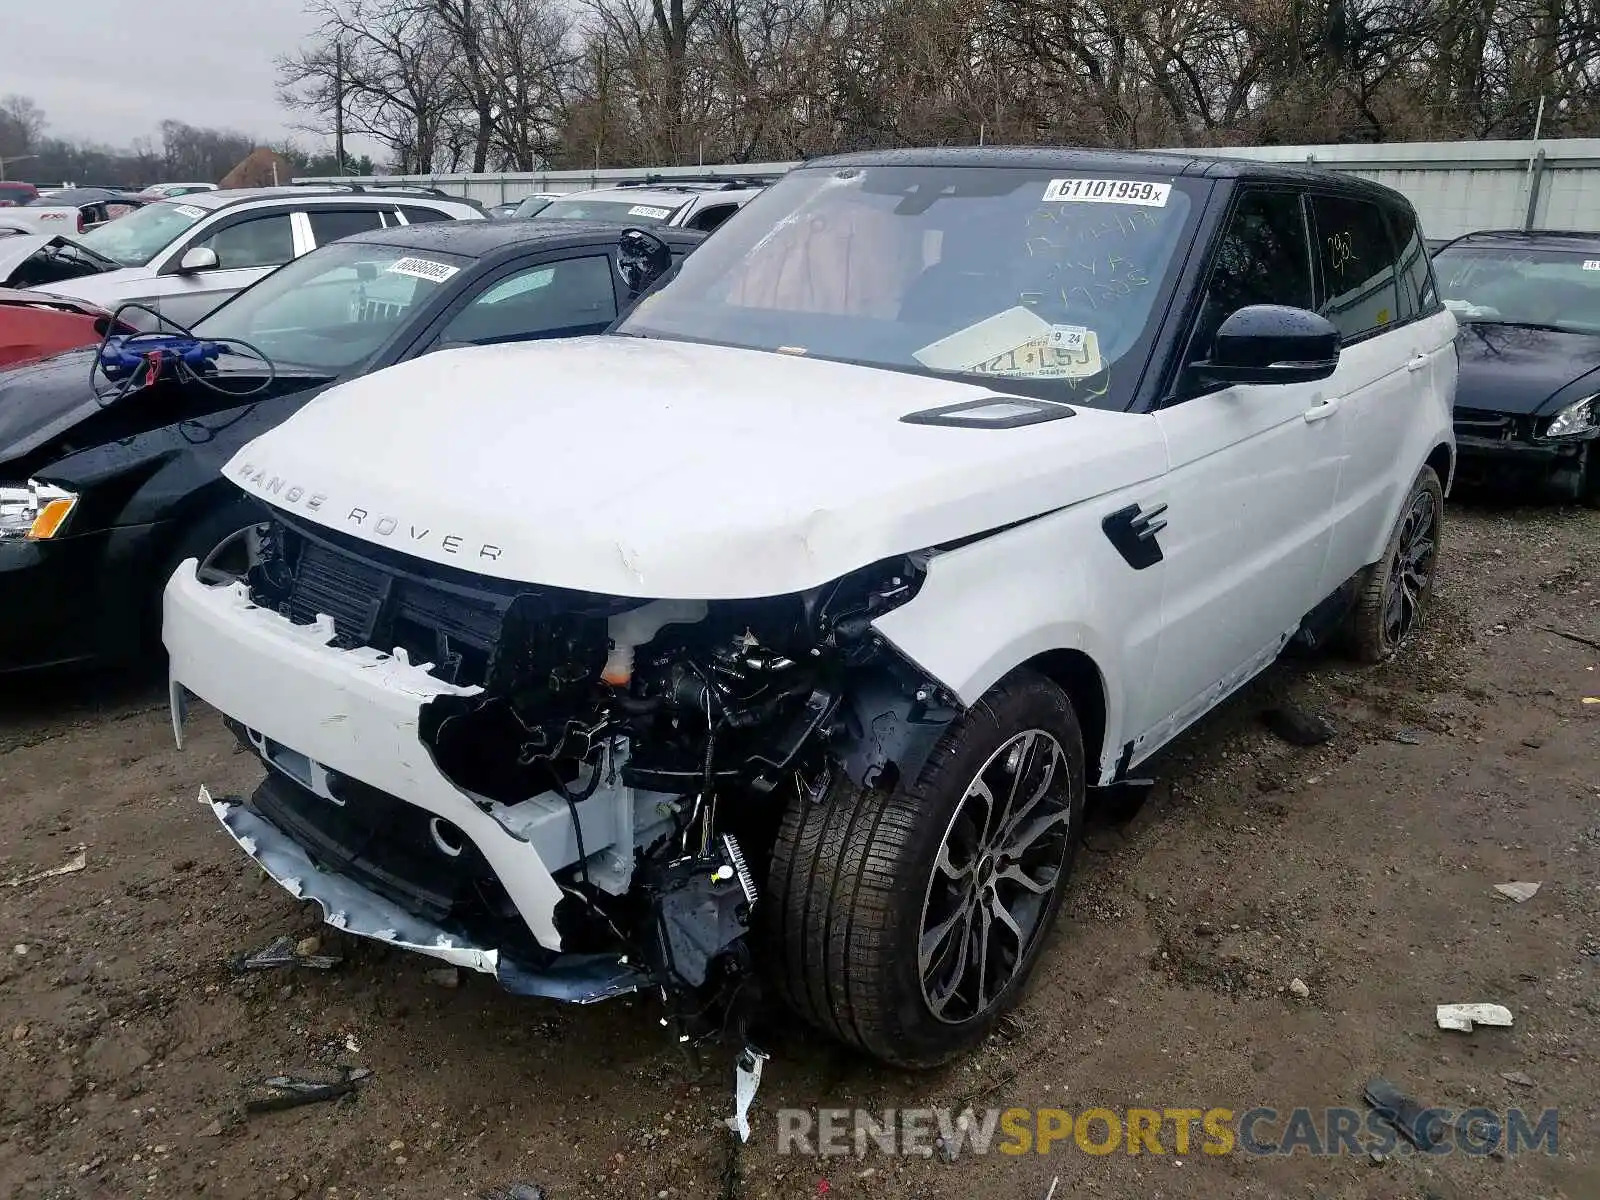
pixel 1363 867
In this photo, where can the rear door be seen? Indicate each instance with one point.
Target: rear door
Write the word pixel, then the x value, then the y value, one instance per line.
pixel 1385 375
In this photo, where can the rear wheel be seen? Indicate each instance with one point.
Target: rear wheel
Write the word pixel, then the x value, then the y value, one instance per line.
pixel 1394 594
pixel 906 923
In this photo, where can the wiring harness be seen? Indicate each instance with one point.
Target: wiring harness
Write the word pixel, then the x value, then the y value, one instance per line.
pixel 130 362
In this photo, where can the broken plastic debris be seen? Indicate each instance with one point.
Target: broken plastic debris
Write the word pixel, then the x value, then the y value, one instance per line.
pixel 1404 1113
pixel 283 952
pixel 285 1091
pixel 1051 1193
pixel 1591 699
pixel 746 1079
pixel 1518 891
pixel 1464 1016
pixel 77 862
pixel 1518 1078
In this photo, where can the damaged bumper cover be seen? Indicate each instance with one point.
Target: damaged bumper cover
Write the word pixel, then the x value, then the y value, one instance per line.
pixel 351 908
pixel 354 712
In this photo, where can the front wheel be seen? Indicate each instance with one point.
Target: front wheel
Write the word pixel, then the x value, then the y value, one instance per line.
pixel 906 923
pixel 1395 592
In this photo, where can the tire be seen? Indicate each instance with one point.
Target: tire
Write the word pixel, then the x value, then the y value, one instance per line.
pixel 1394 593
pixel 857 879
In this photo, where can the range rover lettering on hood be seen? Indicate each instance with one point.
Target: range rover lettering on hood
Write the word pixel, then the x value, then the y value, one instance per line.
pixel 286 493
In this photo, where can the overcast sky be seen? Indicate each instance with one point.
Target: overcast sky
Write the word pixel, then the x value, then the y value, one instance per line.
pixel 111 72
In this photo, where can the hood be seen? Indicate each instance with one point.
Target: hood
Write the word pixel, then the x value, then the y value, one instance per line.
pixel 650 468
pixel 1517 370
pixel 40 400
pixel 18 248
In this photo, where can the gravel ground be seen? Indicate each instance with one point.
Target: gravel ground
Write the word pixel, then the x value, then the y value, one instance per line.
pixel 1363 868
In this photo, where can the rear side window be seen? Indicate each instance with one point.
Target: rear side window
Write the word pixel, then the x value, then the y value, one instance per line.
pixel 1264 258
pixel 1360 290
pixel 1416 266
pixel 331 226
pixel 708 219
pixel 417 215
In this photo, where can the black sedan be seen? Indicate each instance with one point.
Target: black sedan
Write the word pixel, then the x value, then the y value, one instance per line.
pixel 1528 394
pixel 106 485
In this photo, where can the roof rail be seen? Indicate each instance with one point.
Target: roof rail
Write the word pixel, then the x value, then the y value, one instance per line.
pixel 726 183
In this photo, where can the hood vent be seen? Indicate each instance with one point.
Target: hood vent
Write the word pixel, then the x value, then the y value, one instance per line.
pixel 991 412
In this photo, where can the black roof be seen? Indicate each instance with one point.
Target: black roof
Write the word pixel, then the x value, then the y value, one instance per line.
pixel 1068 158
pixel 1574 240
pixel 490 239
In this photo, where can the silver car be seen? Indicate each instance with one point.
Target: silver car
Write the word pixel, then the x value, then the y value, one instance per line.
pixel 183 257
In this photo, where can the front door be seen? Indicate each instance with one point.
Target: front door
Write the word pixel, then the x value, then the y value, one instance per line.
pixel 1249 494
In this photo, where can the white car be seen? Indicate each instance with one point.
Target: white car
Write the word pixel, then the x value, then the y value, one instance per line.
pixel 788 626
pixel 700 204
pixel 184 257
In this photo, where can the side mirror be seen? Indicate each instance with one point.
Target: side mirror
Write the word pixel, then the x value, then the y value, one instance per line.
pixel 1272 343
pixel 643 258
pixel 200 258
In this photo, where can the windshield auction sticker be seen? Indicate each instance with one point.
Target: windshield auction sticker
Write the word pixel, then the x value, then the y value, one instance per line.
pixel 1108 191
pixel 189 210
pixel 423 268
pixel 645 210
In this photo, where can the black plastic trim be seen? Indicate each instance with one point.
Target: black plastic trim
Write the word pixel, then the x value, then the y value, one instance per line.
pixel 950 414
pixel 1133 532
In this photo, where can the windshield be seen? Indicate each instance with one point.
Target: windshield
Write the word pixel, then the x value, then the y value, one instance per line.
pixel 984 272
pixel 1514 285
pixel 625 211
pixel 135 239
pixel 336 307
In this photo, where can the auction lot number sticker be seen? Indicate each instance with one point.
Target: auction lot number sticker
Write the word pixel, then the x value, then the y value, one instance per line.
pixel 1108 191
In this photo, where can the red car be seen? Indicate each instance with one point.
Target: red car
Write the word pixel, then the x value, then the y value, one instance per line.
pixel 14 195
pixel 36 324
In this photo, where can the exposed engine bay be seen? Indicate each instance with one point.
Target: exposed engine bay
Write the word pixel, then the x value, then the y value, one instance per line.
pixel 646 749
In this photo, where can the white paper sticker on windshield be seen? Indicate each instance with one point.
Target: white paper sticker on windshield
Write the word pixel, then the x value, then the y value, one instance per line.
pixel 645 210
pixel 190 211
pixel 1068 337
pixel 424 268
pixel 1591 264
pixel 1108 191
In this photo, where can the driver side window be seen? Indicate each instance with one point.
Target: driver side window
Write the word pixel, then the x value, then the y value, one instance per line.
pixel 569 297
pixel 259 242
pixel 1264 258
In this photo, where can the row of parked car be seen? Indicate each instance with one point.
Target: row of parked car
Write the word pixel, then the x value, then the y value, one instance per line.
pixel 615 607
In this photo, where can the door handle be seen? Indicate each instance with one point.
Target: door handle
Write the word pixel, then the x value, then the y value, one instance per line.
pixel 1324 410
pixel 1417 363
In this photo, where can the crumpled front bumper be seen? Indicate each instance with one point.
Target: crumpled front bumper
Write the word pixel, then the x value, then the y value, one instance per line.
pixel 350 711
pixel 349 907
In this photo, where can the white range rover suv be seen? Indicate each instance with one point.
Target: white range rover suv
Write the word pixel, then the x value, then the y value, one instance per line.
pixel 781 633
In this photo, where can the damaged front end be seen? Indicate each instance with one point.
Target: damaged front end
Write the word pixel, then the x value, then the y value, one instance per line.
pixel 583 791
